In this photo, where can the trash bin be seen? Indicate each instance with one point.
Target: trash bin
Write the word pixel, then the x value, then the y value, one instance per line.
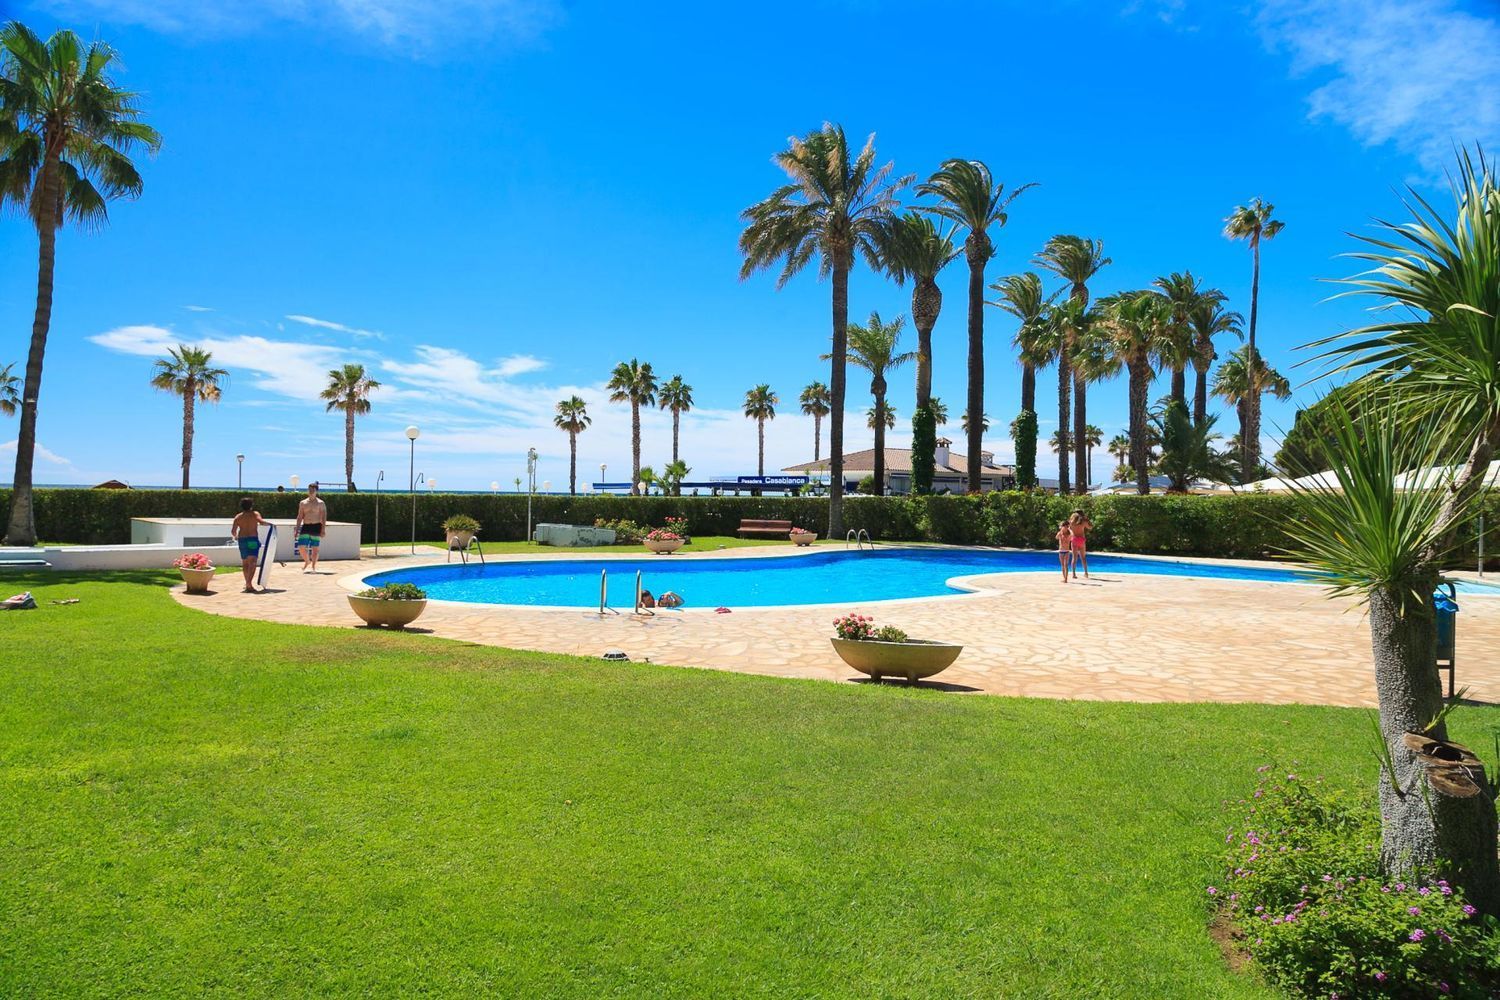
pixel 1446 607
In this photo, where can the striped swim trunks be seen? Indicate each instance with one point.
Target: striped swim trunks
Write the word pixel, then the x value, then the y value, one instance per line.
pixel 310 536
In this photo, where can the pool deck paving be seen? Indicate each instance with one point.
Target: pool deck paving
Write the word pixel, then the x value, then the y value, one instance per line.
pixel 1115 637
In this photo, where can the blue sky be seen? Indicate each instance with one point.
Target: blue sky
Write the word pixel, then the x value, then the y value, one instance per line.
pixel 492 205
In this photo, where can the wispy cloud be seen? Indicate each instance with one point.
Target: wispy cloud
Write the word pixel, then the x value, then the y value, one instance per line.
pixel 1422 75
pixel 417 26
pixel 199 309
pixel 328 324
pixel 43 455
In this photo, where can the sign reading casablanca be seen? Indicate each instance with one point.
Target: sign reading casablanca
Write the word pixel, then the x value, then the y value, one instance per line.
pixel 772 480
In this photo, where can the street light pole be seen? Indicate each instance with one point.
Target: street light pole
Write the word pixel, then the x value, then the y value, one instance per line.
pixel 421 477
pixel 412 433
pixel 530 488
pixel 241 460
pixel 378 480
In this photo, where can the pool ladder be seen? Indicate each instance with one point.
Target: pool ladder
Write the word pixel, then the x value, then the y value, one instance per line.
pixel 859 539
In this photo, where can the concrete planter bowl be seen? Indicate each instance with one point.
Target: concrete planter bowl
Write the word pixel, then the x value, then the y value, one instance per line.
pixel 913 660
pixel 665 545
pixel 803 538
pixel 458 540
pixel 389 614
pixel 197 580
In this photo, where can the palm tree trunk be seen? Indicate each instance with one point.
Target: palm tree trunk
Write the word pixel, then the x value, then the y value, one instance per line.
pixel 635 446
pixel 349 447
pixel 760 460
pixel 976 375
pixel 817 436
pixel 676 422
pixel 926 302
pixel 838 363
pixel 188 391
pixel 1028 387
pixel 1091 463
pixel 1242 410
pixel 572 463
pixel 1179 385
pixel 1200 393
pixel 1080 432
pixel 1250 434
pixel 22 528
pixel 880 445
pixel 1140 384
pixel 1064 386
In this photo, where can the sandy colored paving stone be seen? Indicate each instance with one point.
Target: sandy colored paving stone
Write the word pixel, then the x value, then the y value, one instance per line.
pixel 1119 637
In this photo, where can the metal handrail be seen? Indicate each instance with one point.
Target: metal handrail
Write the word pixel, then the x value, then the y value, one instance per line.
pixel 644 612
pixel 860 538
pixel 604 607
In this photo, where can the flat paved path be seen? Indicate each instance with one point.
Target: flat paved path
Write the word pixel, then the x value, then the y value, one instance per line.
pixel 1113 638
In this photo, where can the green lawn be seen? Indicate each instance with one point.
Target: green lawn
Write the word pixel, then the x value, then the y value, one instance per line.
pixel 700 543
pixel 194 804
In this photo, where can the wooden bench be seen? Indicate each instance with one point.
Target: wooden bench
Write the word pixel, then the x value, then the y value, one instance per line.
pixel 765 529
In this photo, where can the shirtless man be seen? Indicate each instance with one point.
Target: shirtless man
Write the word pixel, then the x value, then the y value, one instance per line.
pixel 312 518
pixel 1080 525
pixel 246 531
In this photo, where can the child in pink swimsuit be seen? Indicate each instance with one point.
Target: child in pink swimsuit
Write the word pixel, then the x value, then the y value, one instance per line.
pixel 1080 526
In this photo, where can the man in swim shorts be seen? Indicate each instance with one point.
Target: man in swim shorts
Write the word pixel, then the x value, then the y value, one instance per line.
pixel 312 518
pixel 246 531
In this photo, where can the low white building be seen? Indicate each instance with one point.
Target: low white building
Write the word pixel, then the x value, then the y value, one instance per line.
pixel 951 473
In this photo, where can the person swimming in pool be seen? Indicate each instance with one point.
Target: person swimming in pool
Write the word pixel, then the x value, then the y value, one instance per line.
pixel 245 530
pixel 669 600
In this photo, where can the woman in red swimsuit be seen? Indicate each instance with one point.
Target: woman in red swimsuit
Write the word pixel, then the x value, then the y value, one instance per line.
pixel 1080 525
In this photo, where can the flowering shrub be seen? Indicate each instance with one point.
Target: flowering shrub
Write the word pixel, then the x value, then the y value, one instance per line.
pixel 194 560
pixel 676 525
pixel 625 530
pixel 852 626
pixel 662 535
pixel 1303 890
pixel 889 633
pixel 395 592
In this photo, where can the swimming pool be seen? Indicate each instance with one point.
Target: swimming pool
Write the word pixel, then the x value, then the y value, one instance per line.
pixel 824 577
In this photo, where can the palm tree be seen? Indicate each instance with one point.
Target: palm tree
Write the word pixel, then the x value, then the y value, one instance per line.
pixel 760 406
pixel 836 206
pixel 1187 449
pixel 1119 449
pixel 673 474
pixel 1135 321
pixel 66 135
pixel 1180 347
pixel 1252 222
pixel 677 396
pixel 1209 320
pixel 873 348
pixel 633 382
pixel 939 410
pixel 1060 442
pixel 814 400
pixel 969 196
pixel 188 372
pixel 1093 437
pixel 984 424
pixel 1388 545
pixel 349 390
pixel 1232 383
pixel 573 419
pixel 874 423
pixel 1075 260
pixel 1021 295
pixel 915 248
pixel 10 391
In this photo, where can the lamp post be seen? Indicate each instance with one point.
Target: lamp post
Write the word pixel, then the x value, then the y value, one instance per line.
pixel 602 467
pixel 378 479
pixel 241 460
pixel 294 479
pixel 414 482
pixel 530 488
pixel 494 487
pixel 643 485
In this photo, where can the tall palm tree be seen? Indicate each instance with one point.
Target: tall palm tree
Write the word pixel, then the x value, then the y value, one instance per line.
pixel 66 136
pixel 1119 448
pixel 873 348
pixel 10 391
pixel 188 372
pixel 939 410
pixel 1060 442
pixel 1179 348
pixel 984 423
pixel 1209 320
pixel 969 196
pixel 677 396
pixel 349 389
pixel 1076 260
pixel 1136 320
pixel 836 206
pixel 673 474
pixel 1093 437
pixel 573 419
pixel 1252 222
pixel 1234 384
pixel 633 382
pixel 814 400
pixel 915 248
pixel 1022 296
pixel 760 406
pixel 879 426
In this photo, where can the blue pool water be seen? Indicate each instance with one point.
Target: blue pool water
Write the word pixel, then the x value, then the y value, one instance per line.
pixel 825 577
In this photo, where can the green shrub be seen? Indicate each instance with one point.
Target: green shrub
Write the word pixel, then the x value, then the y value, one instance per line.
pixel 867 485
pixel 1302 886
pixel 625 530
pixel 889 633
pixel 395 592
pixel 460 522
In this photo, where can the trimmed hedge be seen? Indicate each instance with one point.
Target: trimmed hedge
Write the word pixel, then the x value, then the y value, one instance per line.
pixel 1244 526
